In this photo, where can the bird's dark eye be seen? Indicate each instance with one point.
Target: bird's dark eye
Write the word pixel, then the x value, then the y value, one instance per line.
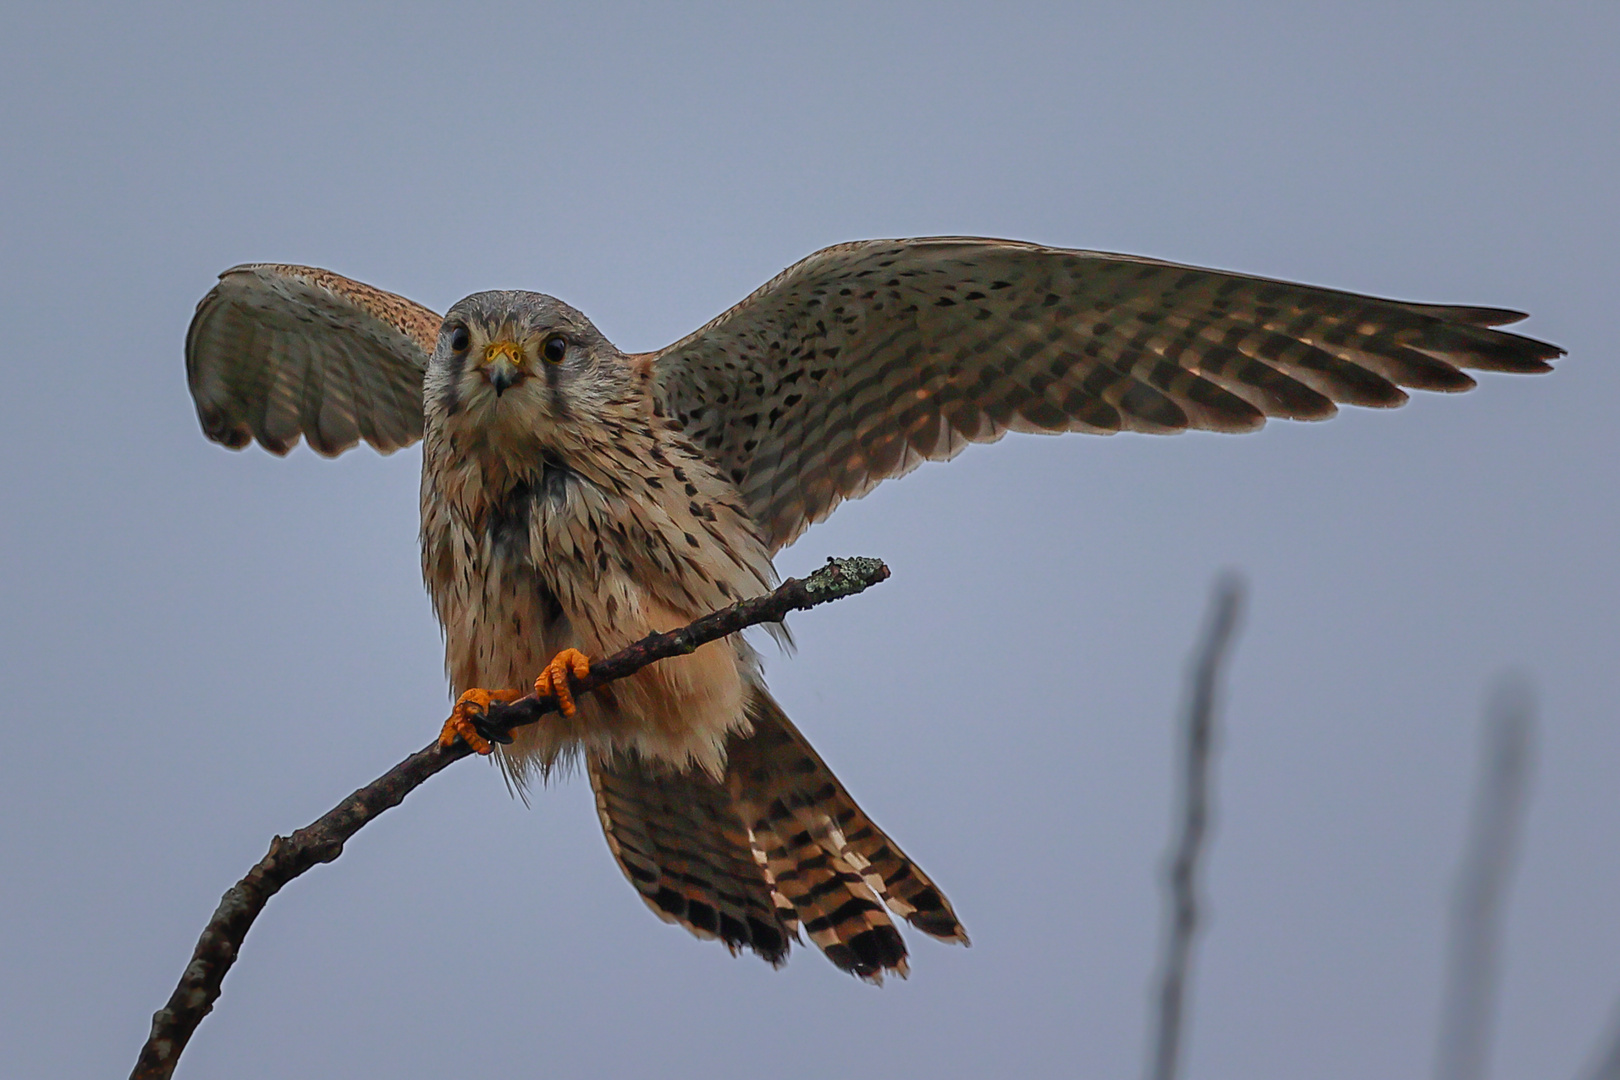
pixel 460 339
pixel 554 348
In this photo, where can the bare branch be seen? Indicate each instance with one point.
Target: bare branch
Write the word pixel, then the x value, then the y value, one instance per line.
pixel 322 841
pixel 1481 887
pixel 1181 881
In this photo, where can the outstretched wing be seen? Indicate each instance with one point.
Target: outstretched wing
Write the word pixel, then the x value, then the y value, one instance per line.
pixel 866 359
pixel 277 352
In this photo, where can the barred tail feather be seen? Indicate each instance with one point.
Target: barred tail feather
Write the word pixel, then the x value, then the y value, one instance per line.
pixel 783 765
pixel 680 843
pixel 780 844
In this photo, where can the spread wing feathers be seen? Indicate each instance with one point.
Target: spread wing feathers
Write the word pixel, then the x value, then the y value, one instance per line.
pixel 279 352
pixel 866 359
pixel 778 845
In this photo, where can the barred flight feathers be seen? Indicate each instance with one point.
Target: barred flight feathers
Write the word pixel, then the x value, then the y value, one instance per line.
pixel 825 856
pixel 866 359
pixel 278 352
pixel 681 844
pixel 779 845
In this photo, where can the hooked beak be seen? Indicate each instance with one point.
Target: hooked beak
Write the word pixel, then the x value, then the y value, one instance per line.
pixel 503 365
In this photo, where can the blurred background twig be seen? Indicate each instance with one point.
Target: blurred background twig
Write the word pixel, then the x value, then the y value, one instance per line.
pixel 1198 734
pixel 1472 959
pixel 1607 1065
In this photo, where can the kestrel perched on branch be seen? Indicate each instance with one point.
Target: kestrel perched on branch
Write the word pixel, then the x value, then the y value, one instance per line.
pixel 576 498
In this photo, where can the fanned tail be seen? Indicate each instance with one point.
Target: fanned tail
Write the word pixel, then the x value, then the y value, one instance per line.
pixel 780 844
pixel 678 840
pixel 825 856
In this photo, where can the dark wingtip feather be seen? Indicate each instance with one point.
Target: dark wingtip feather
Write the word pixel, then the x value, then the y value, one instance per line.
pixel 1467 314
pixel 1420 371
pixel 237 438
pixel 1463 336
pixel 329 448
pixel 1497 350
pixel 278 447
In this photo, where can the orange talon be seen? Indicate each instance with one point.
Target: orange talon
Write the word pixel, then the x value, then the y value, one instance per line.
pixel 553 682
pixel 463 718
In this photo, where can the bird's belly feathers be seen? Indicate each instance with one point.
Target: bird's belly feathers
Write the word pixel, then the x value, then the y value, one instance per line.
pixel 578 581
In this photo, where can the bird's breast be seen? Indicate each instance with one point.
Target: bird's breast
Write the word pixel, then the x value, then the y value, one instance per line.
pixel 555 559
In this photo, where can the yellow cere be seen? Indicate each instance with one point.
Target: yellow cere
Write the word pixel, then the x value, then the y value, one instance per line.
pixel 508 349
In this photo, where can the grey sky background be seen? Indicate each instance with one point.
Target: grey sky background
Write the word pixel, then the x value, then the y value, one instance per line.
pixel 200 649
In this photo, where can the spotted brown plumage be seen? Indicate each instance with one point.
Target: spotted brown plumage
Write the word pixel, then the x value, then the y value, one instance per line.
pixel 866 359
pixel 576 498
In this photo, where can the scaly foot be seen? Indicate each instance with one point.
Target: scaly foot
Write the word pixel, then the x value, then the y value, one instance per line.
pixel 553 682
pixel 463 722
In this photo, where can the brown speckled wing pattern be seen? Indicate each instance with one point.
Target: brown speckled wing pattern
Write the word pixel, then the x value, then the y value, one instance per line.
pixel 866 359
pixel 778 845
pixel 278 353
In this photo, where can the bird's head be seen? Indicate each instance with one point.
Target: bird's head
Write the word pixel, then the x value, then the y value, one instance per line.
pixel 516 366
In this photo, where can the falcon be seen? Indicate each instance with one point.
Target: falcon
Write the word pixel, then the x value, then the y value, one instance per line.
pixel 576 498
